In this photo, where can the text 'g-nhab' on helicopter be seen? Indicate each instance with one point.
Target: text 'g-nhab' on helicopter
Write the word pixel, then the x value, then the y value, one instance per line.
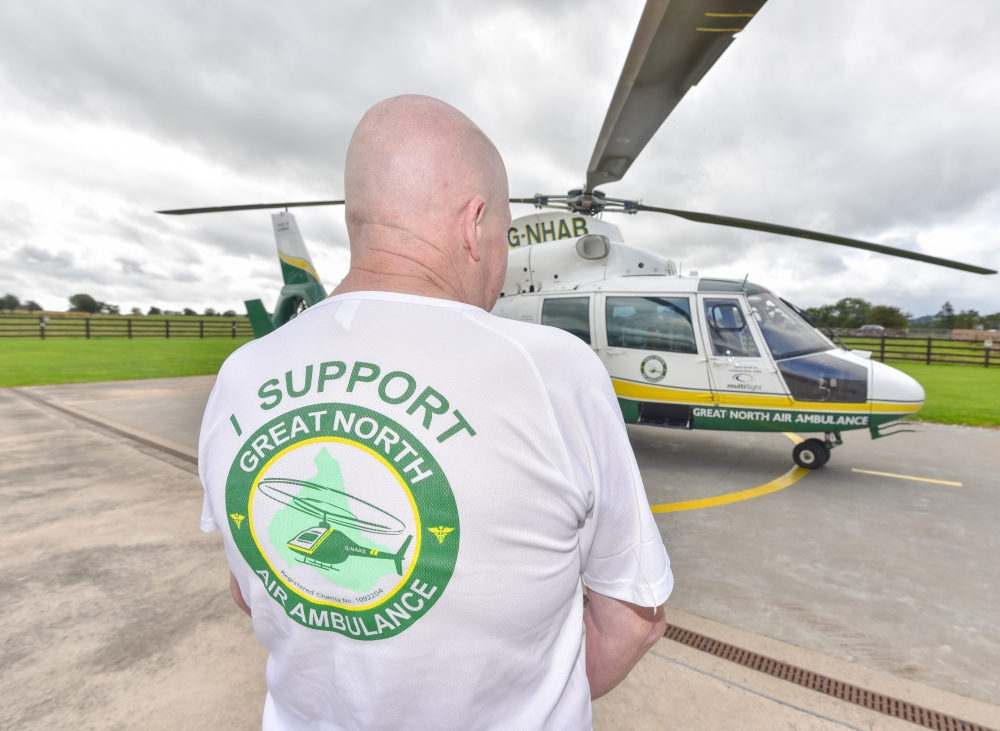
pixel 685 352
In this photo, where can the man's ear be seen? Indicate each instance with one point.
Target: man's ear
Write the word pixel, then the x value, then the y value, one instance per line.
pixel 473 225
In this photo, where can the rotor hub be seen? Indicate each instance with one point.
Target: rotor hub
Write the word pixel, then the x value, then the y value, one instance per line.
pixel 587 203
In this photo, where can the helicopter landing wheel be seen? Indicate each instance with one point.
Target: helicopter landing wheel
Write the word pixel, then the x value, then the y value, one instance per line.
pixel 811 454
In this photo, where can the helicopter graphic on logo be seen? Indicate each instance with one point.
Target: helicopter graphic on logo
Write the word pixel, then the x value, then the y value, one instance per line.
pixel 323 546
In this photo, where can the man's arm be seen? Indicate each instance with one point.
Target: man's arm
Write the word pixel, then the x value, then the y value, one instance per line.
pixel 234 589
pixel 618 635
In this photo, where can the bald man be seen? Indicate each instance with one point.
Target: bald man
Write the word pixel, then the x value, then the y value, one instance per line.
pixel 413 493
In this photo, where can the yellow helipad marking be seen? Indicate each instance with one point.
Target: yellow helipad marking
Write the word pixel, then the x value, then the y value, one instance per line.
pixel 907 477
pixel 786 480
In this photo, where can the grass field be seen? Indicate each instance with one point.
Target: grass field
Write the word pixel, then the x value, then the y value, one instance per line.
pixel 34 362
pixel 957 394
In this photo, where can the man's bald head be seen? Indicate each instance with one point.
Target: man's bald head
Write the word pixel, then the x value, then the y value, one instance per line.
pixel 419 174
pixel 412 158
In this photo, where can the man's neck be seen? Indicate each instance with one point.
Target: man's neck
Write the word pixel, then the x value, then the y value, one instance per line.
pixel 390 259
pixel 360 280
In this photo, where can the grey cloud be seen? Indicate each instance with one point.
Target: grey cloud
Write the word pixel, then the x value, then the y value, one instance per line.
pixel 33 271
pixel 131 267
pixel 36 255
pixel 185 276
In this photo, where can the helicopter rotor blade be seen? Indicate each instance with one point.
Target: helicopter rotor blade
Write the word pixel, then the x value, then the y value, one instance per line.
pixel 814 236
pixel 320 506
pixel 293 501
pixel 675 45
pixel 249 207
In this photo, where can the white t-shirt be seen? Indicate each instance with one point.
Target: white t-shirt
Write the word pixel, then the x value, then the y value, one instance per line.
pixel 409 492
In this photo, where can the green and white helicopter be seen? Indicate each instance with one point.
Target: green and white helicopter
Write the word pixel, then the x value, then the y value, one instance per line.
pixel 684 352
pixel 322 545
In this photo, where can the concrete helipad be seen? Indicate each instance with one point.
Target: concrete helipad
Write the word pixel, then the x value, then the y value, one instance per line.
pixel 895 574
pixel 116 610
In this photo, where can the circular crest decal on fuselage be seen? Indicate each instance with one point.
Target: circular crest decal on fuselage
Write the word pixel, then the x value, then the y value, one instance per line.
pixel 345 517
pixel 653 368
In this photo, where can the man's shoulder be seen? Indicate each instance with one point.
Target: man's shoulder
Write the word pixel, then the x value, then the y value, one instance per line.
pixel 251 357
pixel 291 336
pixel 246 353
pixel 549 347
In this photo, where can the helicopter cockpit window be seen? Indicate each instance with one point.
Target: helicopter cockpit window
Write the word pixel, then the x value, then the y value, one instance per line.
pixel 728 329
pixel 651 323
pixel 571 314
pixel 306 539
pixel 825 377
pixel 785 332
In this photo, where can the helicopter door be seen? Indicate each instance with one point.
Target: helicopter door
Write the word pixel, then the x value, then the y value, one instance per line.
pixel 649 344
pixel 522 307
pixel 569 313
pixel 738 360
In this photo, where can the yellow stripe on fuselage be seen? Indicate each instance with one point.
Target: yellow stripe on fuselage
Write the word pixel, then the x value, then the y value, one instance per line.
pixel 648 392
pixel 300 263
pixel 640 391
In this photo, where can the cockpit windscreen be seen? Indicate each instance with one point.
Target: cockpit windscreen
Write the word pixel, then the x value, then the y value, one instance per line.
pixel 786 333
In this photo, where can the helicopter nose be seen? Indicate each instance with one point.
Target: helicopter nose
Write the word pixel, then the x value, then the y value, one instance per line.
pixel 891 386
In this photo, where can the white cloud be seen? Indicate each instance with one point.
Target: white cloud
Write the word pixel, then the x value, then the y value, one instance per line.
pixel 871 120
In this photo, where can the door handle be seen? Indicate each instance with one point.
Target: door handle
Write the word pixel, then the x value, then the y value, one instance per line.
pixel 612 351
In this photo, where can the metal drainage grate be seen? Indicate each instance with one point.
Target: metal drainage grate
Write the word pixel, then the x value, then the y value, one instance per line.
pixel 807 679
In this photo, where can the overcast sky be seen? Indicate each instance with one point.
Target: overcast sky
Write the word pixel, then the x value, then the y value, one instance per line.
pixel 874 119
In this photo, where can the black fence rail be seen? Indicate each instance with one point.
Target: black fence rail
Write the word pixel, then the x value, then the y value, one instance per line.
pixel 29 326
pixel 929 350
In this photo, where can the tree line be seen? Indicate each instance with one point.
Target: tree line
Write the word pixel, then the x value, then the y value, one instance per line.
pixel 10 303
pixel 853 312
pixel 86 303
pixel 850 312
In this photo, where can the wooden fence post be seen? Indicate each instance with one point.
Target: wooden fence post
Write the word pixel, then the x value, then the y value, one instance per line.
pixel 167 323
pixel 234 329
pixel 129 329
pixel 86 327
pixel 882 353
pixel 201 329
pixel 41 328
pixel 928 351
pixel 987 358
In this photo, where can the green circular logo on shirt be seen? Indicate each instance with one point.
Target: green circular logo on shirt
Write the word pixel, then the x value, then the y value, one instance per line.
pixel 345 517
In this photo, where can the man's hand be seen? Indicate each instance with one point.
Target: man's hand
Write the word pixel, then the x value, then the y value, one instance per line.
pixel 618 635
pixel 234 589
